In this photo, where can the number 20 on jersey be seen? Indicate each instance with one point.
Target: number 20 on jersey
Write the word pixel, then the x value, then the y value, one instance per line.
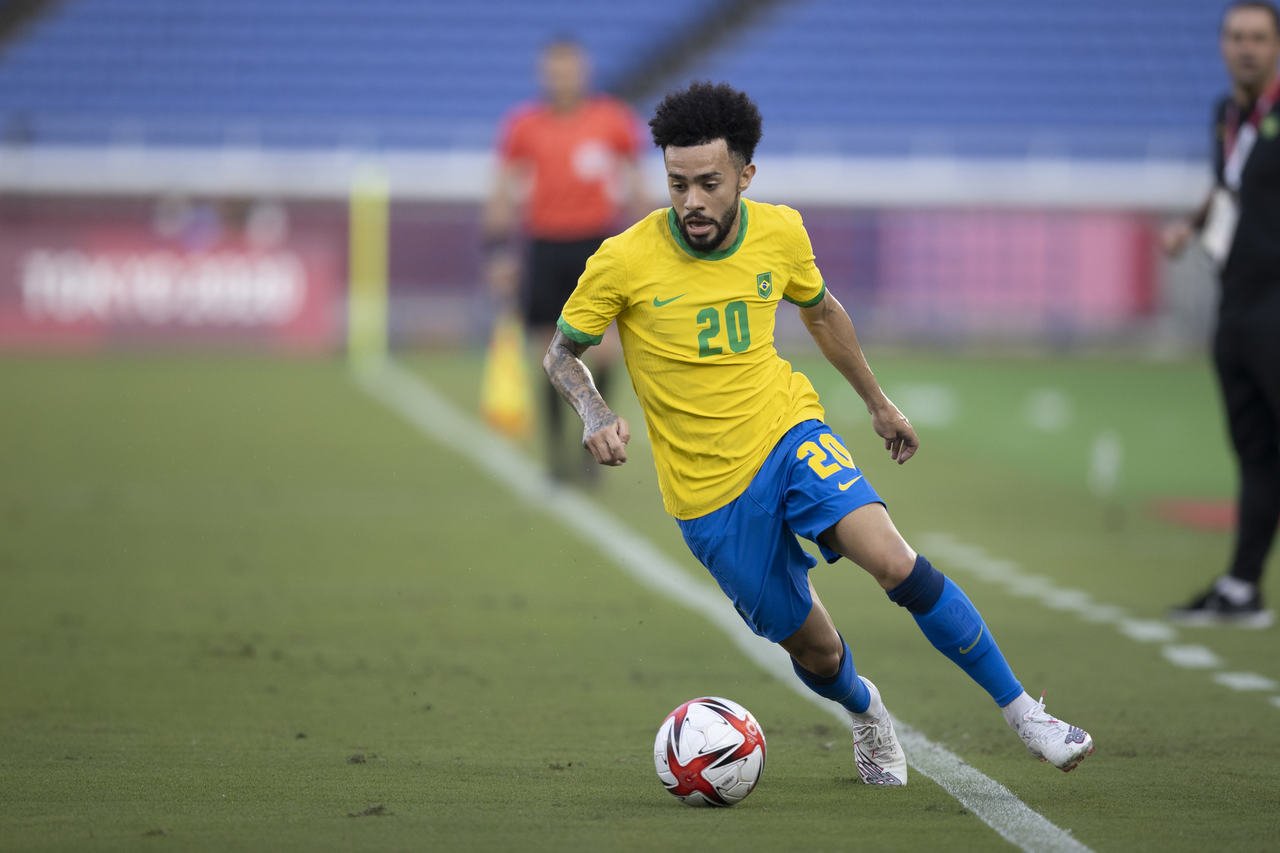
pixel 735 325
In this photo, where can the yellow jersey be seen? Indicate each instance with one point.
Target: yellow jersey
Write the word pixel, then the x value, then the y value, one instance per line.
pixel 697 335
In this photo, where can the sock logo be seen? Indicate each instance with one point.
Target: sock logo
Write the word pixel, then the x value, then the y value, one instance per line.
pixel 969 648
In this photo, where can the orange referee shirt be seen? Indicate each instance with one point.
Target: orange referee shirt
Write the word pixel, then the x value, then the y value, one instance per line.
pixel 573 160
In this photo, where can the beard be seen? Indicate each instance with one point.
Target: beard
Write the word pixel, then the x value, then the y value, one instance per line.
pixel 716 236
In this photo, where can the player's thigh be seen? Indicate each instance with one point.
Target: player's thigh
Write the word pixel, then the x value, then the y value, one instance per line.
pixel 868 537
pixel 829 501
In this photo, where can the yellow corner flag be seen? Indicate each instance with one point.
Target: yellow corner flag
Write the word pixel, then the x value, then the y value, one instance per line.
pixel 505 399
pixel 367 309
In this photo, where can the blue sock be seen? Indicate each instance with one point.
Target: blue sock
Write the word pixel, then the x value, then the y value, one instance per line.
pixel 955 628
pixel 844 687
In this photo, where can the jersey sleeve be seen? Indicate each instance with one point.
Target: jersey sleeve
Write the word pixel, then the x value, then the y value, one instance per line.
pixel 805 286
pixel 597 299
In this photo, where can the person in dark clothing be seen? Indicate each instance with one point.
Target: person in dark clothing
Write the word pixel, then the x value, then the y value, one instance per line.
pixel 568 177
pixel 1239 226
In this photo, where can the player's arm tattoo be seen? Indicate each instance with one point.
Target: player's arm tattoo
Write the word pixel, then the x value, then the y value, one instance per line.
pixel 563 364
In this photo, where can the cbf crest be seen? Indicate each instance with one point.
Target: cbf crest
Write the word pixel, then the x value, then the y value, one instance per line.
pixel 764 284
pixel 1270 127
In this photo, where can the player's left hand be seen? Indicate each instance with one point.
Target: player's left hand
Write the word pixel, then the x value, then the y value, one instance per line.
pixel 899 435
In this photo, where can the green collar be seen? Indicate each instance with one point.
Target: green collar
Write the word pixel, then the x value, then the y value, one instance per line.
pixel 674 225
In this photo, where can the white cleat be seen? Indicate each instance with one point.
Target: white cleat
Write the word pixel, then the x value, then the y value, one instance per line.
pixel 1048 739
pixel 876 751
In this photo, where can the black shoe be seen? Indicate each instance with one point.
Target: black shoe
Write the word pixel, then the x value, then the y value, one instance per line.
pixel 1212 608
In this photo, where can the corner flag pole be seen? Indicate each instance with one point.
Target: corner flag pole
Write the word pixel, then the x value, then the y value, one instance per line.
pixel 367 314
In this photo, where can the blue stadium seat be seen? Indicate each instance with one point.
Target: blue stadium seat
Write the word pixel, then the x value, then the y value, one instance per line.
pixel 980 78
pixel 984 77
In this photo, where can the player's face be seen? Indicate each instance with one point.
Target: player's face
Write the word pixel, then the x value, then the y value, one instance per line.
pixel 1250 47
pixel 564 73
pixel 705 184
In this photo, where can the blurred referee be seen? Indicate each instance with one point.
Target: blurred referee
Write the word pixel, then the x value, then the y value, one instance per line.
pixel 567 163
pixel 1239 226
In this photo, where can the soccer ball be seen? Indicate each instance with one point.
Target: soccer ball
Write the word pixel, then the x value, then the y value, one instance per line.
pixel 709 752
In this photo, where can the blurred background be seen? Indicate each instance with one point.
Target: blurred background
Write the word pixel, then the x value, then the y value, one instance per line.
pixel 179 173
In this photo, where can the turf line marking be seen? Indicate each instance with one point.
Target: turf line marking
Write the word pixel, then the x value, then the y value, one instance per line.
pixel 439 420
pixel 1245 681
pixel 975 561
pixel 1192 657
pixel 1049 409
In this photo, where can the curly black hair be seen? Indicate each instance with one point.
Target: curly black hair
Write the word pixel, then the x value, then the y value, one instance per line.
pixel 705 112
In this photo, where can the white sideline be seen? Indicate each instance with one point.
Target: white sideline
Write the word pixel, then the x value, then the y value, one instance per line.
pixel 413 399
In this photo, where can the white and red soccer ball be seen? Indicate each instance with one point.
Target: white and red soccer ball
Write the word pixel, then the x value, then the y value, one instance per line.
pixel 709 752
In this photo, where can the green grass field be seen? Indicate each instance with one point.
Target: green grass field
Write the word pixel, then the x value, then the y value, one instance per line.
pixel 247 606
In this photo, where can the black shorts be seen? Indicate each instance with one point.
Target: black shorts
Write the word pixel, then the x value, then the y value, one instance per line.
pixel 551 273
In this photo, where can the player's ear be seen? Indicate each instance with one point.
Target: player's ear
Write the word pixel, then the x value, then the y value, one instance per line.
pixel 745 176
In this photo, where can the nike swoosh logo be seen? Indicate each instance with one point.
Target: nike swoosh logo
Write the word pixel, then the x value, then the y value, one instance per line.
pixel 658 303
pixel 969 648
pixel 844 487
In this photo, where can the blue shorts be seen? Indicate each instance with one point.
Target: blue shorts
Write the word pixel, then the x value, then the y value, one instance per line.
pixel 807 484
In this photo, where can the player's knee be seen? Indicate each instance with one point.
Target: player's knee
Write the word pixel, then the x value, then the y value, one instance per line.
pixel 816 652
pixel 891 566
pixel 825 654
pixel 823 662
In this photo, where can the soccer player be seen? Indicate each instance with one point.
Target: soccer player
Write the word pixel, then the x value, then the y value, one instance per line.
pixel 744 459
pixel 568 167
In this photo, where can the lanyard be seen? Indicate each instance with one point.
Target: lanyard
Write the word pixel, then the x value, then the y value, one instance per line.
pixel 1239 137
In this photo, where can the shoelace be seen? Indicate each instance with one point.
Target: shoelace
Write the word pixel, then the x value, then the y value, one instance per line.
pixel 1039 715
pixel 874 742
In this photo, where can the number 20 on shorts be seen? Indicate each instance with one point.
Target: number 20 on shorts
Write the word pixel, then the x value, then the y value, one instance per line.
pixel 827 459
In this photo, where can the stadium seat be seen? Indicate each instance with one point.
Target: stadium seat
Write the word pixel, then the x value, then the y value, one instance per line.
pixel 982 78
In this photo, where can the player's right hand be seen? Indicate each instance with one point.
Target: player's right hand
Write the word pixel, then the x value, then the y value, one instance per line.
pixel 608 444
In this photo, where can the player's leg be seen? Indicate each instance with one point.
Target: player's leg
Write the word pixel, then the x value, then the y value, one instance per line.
pixel 754 556
pixel 949 620
pixel 830 502
pixel 944 613
pixel 859 528
pixel 823 662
